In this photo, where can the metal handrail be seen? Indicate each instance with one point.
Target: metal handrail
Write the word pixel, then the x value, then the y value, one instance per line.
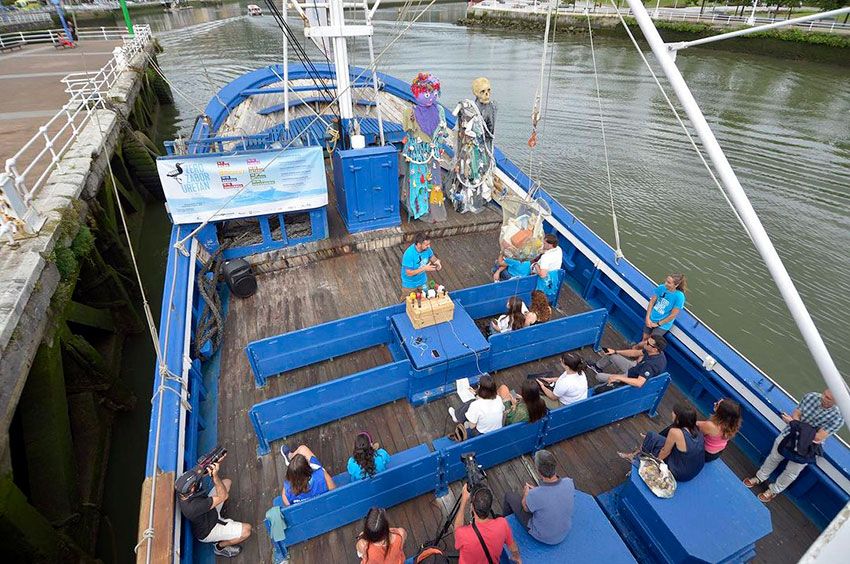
pixel 53 35
pixel 665 14
pixel 86 95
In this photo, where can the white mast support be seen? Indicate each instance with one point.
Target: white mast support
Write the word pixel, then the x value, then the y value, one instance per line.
pixel 338 31
pixel 784 23
pixel 368 15
pixel 285 73
pixel 748 215
pixel 539 96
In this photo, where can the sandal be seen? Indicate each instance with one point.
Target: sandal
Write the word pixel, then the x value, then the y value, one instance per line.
pixel 767 496
pixel 751 482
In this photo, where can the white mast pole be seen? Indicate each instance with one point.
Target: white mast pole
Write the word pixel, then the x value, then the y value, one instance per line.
pixel 285 72
pixel 745 210
pixel 368 17
pixel 336 19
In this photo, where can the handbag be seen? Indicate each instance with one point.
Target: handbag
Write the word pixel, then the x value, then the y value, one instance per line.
pixel 657 476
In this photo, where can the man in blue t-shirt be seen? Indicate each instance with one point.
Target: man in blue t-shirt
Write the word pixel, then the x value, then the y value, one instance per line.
pixel 667 300
pixel 416 262
pixel 547 510
pixel 507 268
pixel 636 367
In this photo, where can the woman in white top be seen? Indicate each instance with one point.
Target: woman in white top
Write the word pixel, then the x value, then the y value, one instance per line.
pixel 517 317
pixel 570 386
pixel 484 413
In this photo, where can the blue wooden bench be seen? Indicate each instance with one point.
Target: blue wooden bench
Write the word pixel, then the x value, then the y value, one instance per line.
pixel 275 355
pixel 547 339
pixel 662 530
pixel 410 473
pixel 592 539
pixel 509 442
pixel 310 407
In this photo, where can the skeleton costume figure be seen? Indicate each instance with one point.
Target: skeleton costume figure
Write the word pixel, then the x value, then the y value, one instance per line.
pixel 427 134
pixel 472 184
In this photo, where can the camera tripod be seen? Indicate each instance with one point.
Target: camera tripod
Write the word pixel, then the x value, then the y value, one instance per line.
pixel 447 525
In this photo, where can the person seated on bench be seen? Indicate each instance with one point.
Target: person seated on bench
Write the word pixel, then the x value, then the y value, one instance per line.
pixel 517 317
pixel 416 262
pixel 528 406
pixel 546 265
pixel 379 543
pixel 667 300
pixel 305 477
pixel 681 445
pixel 495 533
pixel 546 511
pixel 484 413
pixel 540 306
pixel 721 427
pixel 368 458
pixel 635 366
pixel 570 386
pixel 507 268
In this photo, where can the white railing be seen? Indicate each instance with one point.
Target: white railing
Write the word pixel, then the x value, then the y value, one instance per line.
pixel 691 14
pixel 53 35
pixel 26 172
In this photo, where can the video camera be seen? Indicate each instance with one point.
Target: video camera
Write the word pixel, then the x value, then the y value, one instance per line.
pixel 186 483
pixel 475 475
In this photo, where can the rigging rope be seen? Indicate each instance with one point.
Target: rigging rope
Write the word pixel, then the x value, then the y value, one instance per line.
pixel 536 112
pixel 618 252
pixel 681 123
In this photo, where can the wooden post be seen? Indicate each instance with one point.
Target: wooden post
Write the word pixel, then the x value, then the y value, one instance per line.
pixel 26 534
pixel 46 426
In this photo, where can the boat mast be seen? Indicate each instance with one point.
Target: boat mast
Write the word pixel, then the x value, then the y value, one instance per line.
pixel 745 210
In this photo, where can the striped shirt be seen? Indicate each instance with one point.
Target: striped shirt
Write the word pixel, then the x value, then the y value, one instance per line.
pixel 813 413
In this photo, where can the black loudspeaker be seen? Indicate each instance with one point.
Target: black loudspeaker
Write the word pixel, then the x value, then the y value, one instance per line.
pixel 239 277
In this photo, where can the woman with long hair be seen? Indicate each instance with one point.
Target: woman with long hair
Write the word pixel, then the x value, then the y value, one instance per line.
pixel 570 386
pixel 305 477
pixel 528 406
pixel 379 543
pixel 367 459
pixel 667 300
pixel 683 446
pixel 721 427
pixel 517 317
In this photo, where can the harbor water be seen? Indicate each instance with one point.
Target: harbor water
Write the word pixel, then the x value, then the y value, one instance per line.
pixel 783 124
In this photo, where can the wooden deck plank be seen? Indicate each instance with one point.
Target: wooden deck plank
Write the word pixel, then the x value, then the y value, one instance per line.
pixel 345 285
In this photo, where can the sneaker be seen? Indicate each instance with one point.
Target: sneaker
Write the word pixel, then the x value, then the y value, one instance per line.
pixel 452 415
pixel 227 551
pixel 285 452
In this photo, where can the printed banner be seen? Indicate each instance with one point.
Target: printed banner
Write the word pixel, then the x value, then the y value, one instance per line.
pixel 198 188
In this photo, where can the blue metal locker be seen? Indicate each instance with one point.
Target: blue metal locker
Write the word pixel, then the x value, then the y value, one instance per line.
pixel 366 185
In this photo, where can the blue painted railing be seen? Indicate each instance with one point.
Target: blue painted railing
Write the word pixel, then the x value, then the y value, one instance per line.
pixel 275 355
pixel 310 407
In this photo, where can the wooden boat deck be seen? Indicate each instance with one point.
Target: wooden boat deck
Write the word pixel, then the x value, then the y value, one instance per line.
pixel 353 283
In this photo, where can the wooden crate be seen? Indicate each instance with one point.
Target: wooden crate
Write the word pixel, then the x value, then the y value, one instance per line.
pixel 433 311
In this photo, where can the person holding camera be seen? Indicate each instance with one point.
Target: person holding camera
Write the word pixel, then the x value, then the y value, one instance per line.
pixel 482 541
pixel 546 511
pixel 203 510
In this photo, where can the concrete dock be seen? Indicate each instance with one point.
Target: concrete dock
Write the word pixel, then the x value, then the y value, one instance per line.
pixel 30 79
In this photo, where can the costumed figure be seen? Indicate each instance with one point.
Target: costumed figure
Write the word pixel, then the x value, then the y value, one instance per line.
pixel 472 184
pixel 427 134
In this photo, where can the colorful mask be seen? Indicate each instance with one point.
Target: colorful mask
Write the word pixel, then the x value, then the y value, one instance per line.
pixel 426 89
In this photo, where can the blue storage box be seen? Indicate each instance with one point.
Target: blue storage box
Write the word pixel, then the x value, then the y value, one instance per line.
pixel 366 185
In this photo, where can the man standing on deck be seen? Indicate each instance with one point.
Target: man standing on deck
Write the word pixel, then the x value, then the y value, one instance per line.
pixel 819 411
pixel 416 262
pixel 203 510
